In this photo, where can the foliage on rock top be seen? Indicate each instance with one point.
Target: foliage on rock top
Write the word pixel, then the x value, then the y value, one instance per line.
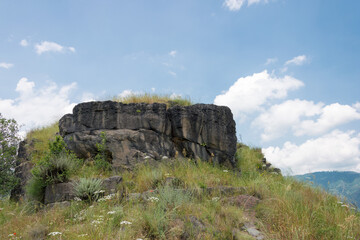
pixel 169 100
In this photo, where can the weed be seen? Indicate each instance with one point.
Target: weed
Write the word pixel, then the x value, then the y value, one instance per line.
pixel 88 189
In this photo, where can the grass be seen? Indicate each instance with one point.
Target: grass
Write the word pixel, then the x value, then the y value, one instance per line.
pixel 38 140
pixel 169 100
pixel 288 209
pixel 177 206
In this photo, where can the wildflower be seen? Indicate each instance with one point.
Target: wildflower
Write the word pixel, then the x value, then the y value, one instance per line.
pixel 151 191
pixel 125 223
pixel 12 234
pixel 77 199
pixel 111 212
pixel 167 174
pixel 83 235
pixel 215 199
pixel 101 199
pixel 100 191
pixel 153 199
pixel 95 222
pixel 54 233
pixel 225 171
pixel 344 205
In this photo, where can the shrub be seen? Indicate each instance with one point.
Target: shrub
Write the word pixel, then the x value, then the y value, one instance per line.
pixel 101 159
pixel 8 144
pixel 55 167
pixel 88 189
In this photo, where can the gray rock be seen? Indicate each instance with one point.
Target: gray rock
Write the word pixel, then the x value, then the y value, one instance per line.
pixel 61 192
pixel 22 170
pixel 138 130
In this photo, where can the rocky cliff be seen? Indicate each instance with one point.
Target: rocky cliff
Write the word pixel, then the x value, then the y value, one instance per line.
pixel 138 132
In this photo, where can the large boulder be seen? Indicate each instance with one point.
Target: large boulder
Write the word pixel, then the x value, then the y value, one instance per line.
pixel 137 132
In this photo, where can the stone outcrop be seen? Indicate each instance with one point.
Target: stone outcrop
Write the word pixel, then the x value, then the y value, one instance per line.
pixel 61 192
pixel 138 132
pixel 22 170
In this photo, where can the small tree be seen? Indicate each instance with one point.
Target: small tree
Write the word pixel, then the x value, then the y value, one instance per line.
pixel 8 145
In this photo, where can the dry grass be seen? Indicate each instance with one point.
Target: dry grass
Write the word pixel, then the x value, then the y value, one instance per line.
pixel 154 98
pixel 38 140
pixel 288 209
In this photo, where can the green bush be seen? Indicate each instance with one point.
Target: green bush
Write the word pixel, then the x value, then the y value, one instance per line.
pixel 102 159
pixel 88 189
pixel 55 167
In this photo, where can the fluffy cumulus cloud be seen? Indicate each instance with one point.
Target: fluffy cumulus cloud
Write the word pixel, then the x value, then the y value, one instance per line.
pixel 302 117
pixel 6 65
pixel 235 5
pixel 37 107
pixel 46 46
pixel 336 150
pixel 249 93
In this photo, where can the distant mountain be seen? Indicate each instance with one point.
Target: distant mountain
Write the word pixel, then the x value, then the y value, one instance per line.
pixel 343 184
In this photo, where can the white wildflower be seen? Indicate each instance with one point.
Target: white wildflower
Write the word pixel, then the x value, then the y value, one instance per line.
pixel 100 191
pixel 167 174
pixel 215 199
pixel 101 199
pixel 77 199
pixel 54 233
pixel 111 212
pixel 95 222
pixel 83 235
pixel 125 223
pixel 153 199
pixel 344 205
pixel 225 170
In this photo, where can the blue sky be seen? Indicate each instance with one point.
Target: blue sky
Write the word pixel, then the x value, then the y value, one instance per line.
pixel 288 69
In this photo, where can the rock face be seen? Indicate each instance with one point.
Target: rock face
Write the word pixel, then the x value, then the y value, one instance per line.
pixel 139 131
pixel 22 171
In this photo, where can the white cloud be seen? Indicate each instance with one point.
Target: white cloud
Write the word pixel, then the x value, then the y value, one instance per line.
pixel 46 46
pixel 235 5
pixel 334 151
pixel 249 93
pixel 271 61
pixel 172 73
pixel 278 119
pixel 299 60
pixel 303 117
pixel 6 65
pixel 331 116
pixel 173 53
pixel 24 43
pixel 128 92
pixel 37 107
pixel 250 2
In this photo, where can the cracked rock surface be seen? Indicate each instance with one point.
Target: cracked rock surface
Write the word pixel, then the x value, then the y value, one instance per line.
pixel 139 132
